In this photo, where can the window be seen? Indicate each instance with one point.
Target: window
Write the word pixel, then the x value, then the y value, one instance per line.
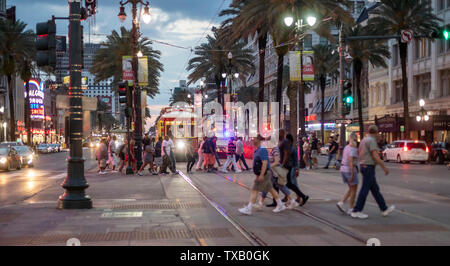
pixel 358 6
pixel 440 4
pixel 445 83
pixel 422 48
pixel 323 40
pixel 422 85
pixel 398 95
pixel 396 56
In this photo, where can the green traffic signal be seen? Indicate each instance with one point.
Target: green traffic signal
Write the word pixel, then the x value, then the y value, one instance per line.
pixel 446 34
pixel 349 100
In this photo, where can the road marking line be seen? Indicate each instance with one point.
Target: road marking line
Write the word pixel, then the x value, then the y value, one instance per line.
pixel 60 176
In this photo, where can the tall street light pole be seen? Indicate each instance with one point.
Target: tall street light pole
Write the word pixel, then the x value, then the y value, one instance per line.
pixel 75 183
pixel 341 93
pixel 135 34
pixel 311 21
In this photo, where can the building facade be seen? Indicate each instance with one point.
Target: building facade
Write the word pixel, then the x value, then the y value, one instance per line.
pixel 428 72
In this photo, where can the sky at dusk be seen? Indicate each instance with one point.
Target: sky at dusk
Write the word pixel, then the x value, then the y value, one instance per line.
pixel 179 22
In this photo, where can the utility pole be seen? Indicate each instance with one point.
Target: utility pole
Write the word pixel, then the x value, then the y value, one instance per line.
pixel 75 183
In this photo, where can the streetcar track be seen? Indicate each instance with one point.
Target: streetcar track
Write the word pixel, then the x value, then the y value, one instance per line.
pixel 315 217
pixel 248 235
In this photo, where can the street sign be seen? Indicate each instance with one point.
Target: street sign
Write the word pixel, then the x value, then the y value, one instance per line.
pixel 344 121
pixel 406 36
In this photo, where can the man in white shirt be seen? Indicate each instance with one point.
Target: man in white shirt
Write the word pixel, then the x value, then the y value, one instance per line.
pixel 240 158
pixel 167 154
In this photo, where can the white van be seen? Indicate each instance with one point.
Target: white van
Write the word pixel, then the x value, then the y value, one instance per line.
pixel 406 151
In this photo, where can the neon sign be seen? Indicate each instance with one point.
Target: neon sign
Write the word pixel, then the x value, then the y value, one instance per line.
pixel 36 98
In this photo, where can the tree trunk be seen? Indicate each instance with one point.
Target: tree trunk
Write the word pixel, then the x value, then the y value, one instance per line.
pixel 12 114
pixel 219 91
pixel 27 114
pixel 280 69
pixel 358 68
pixel 322 89
pixel 403 55
pixel 262 43
pixel 292 94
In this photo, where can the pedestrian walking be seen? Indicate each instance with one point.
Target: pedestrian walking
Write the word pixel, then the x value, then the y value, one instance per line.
pixel 216 155
pixel 122 151
pixel 131 160
pixel 240 156
pixel 157 157
pixel 148 156
pixel 172 154
pixel 112 158
pixel 292 165
pixel 191 156
pixel 201 157
pixel 369 158
pixel 349 172
pixel 166 152
pixel 306 152
pixel 279 176
pixel 314 151
pixel 332 151
pixel 231 157
pixel 102 156
pixel 262 183
pixel 208 153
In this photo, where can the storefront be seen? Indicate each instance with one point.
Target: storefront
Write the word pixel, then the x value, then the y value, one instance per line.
pixel 330 129
pixel 390 127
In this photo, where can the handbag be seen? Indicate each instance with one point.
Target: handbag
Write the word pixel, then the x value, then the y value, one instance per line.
pixel 281 173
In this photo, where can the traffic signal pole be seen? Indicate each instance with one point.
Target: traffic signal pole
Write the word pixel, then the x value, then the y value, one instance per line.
pixel 75 183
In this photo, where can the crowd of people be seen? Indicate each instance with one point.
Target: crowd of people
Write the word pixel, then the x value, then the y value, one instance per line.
pixel 275 171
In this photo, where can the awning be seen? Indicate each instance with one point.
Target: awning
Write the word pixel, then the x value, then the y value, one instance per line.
pixel 329 102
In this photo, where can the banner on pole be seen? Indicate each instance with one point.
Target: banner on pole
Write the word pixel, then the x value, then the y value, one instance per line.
pixel 143 71
pixel 308 66
pixel 127 69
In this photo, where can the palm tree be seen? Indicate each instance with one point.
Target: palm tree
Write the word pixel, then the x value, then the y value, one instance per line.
pixel 394 16
pixel 211 61
pixel 363 52
pixel 26 72
pixel 326 64
pixel 15 47
pixel 262 17
pixel 108 60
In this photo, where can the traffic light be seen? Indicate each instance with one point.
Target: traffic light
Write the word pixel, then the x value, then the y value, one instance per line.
pixel 125 98
pixel 347 97
pixel 46 44
pixel 441 33
pixel 123 93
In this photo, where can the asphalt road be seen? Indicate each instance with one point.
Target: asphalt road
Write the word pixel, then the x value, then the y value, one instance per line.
pixel 20 185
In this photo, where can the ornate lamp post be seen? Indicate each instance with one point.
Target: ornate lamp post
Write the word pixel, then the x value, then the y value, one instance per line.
pixel 299 36
pixel 135 34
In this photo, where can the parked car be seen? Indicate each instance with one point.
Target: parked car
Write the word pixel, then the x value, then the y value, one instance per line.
pixel 9 144
pixel 55 147
pixel 324 149
pixel 44 148
pixel 440 152
pixel 26 155
pixel 407 151
pixel 9 159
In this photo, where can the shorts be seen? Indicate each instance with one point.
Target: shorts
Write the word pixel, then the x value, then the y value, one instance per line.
pixel 314 154
pixel 148 158
pixel 346 177
pixel 210 159
pixel 265 185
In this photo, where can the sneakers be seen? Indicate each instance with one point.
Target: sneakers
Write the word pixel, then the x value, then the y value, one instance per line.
pixel 238 171
pixel 304 200
pixel 140 174
pixel 279 208
pixel 292 205
pixel 258 206
pixel 340 206
pixel 388 211
pixel 349 212
pixel 359 215
pixel 246 210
